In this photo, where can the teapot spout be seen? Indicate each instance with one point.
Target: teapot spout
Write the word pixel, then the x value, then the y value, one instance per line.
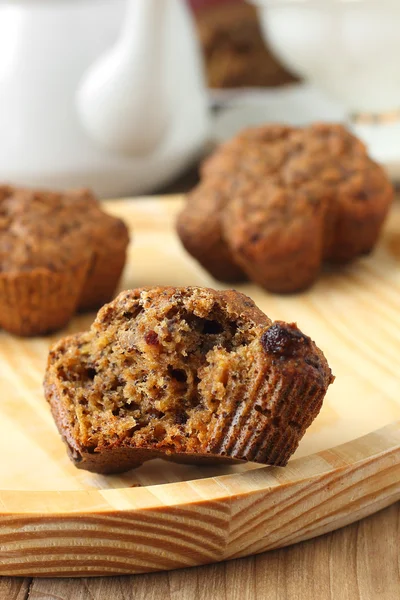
pixel 123 100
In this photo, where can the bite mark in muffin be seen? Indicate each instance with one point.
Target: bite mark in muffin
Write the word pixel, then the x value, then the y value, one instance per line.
pixel 188 374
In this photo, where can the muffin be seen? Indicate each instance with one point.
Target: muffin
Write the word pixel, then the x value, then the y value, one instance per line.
pixel 188 374
pixel 59 252
pixel 288 200
pixel 200 230
pixel 234 49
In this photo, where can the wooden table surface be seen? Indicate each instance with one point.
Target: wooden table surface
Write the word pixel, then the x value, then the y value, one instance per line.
pixel 358 562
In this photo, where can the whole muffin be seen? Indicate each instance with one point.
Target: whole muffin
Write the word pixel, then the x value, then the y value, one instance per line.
pixel 188 374
pixel 289 199
pixel 59 252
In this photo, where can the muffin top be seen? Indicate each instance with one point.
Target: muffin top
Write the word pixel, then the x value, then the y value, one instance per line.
pixel 322 153
pixel 53 230
pixel 283 178
pixel 319 164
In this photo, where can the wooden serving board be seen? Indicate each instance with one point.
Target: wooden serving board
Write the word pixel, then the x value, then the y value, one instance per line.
pixel 57 520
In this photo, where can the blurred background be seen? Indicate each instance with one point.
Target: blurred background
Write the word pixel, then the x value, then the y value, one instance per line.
pixel 127 96
pixel 236 53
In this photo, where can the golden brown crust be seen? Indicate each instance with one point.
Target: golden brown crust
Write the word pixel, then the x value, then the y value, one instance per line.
pixel 109 241
pixel 199 228
pixel 289 199
pixel 187 374
pixel 58 252
pixel 280 248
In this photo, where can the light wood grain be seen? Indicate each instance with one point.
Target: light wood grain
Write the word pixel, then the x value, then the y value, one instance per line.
pixel 12 588
pixel 359 562
pixel 56 520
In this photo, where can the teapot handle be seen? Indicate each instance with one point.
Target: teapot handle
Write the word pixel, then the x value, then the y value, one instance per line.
pixel 123 100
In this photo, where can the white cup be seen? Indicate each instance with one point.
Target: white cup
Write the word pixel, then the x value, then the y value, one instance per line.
pixel 350 49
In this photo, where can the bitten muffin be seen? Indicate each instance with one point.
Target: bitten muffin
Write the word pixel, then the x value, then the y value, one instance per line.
pixel 59 252
pixel 234 49
pixel 280 201
pixel 188 374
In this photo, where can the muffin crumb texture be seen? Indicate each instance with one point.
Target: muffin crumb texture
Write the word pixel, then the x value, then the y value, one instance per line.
pixel 277 202
pixel 188 374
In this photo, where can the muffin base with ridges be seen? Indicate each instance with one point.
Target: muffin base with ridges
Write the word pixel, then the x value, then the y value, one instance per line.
pixel 189 374
pixel 39 301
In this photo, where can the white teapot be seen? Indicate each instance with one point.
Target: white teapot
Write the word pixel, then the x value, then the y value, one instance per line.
pixel 107 94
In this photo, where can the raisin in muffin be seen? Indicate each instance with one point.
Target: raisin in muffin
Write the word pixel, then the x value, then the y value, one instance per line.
pixel 59 252
pixel 189 374
pixel 280 201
